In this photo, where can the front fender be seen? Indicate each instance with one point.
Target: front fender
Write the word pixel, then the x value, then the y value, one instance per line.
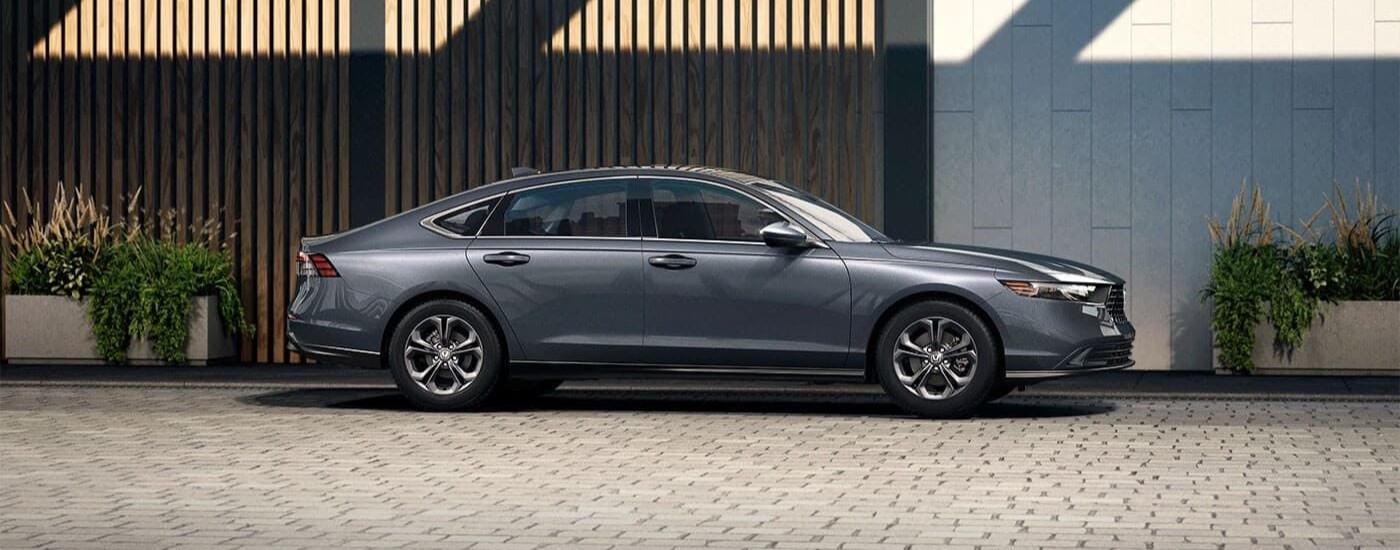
pixel 880 287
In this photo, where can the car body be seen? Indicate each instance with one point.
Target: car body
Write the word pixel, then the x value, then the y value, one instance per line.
pixel 664 273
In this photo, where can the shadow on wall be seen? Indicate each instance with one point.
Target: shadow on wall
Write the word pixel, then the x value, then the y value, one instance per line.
pixel 1108 131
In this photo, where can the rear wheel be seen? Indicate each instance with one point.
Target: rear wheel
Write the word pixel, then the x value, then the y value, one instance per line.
pixel 938 359
pixel 444 355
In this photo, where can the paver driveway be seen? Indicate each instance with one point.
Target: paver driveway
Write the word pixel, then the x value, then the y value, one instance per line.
pixel 148 468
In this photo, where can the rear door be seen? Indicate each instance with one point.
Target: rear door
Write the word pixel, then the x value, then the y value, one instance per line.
pixel 563 262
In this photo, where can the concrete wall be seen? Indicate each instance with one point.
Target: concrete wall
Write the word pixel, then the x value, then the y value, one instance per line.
pixel 1109 130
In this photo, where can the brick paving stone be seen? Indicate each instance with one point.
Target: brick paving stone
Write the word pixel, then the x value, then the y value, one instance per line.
pixel 354 468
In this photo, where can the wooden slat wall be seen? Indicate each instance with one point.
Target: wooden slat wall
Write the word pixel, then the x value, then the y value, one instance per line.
pixel 781 88
pixel 239 108
pixel 233 109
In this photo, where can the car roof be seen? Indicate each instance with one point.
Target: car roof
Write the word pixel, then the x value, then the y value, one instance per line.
pixel 709 172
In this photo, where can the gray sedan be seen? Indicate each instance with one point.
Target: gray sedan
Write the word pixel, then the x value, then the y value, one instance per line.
pixel 510 288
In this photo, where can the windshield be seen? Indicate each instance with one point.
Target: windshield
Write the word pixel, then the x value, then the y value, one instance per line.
pixel 831 220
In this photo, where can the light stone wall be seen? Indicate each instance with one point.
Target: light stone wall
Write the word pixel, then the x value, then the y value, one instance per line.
pixel 1109 130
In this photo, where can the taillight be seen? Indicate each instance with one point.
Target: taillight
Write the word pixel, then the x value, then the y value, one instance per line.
pixel 315 265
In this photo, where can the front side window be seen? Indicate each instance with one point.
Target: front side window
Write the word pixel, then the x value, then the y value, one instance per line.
pixel 695 211
pixel 831 220
pixel 569 210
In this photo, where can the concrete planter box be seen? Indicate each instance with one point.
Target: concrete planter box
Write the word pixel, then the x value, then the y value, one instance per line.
pixel 55 329
pixel 1349 339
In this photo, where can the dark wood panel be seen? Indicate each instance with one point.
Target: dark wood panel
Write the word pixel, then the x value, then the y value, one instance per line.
pixel 239 109
pixel 223 109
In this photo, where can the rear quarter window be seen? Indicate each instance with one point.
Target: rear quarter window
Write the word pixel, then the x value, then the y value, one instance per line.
pixel 467 222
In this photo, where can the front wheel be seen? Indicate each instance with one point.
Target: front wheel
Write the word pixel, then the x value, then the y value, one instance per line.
pixel 444 355
pixel 938 359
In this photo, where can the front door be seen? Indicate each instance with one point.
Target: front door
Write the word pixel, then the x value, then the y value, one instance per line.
pixel 717 295
pixel 564 271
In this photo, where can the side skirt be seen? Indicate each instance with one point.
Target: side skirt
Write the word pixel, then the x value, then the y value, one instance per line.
pixel 543 370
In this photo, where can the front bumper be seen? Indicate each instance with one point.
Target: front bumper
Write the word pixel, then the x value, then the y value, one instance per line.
pixel 1049 338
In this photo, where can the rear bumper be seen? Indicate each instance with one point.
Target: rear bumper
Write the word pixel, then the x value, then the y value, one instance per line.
pixel 332 354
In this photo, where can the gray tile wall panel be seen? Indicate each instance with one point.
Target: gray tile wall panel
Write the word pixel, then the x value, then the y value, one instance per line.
pixel 1151 185
pixel 1031 166
pixel 1112 116
pixel 1272 108
pixel 1072 30
pixel 1190 243
pixel 1312 163
pixel 952 181
pixel 1070 204
pixel 1312 34
pixel 992 123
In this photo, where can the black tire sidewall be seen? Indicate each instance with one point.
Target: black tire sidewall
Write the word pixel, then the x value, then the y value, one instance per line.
pixel 482 387
pixel 962 405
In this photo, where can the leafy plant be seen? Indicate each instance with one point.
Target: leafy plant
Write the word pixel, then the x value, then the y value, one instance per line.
pixel 62 251
pixel 146 294
pixel 139 286
pixel 1355 257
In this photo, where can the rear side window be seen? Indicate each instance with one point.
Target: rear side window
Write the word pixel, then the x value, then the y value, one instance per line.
pixel 570 210
pixel 697 211
pixel 467 221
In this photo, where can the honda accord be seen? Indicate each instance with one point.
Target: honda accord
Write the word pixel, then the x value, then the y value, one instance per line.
pixel 510 288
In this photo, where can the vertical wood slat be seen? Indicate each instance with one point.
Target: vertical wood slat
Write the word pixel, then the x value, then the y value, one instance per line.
pixel 8 112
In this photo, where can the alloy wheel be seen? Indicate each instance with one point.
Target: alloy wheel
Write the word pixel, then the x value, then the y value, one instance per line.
pixel 443 354
pixel 935 358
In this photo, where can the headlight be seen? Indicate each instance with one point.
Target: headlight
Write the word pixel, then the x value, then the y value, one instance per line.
pixel 1059 291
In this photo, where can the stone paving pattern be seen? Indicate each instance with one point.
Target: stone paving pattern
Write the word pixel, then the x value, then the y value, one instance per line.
pixel 116 468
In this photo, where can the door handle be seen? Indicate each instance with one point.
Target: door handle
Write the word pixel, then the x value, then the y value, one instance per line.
pixel 672 261
pixel 506 258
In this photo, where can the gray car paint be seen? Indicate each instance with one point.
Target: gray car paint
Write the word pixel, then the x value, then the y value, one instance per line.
pixel 765 307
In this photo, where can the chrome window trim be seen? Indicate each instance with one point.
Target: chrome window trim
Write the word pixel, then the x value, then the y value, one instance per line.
pixel 715 241
pixel 430 222
pixel 532 237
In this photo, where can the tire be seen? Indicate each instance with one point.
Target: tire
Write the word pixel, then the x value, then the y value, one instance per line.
pixel 482 373
pixel 930 397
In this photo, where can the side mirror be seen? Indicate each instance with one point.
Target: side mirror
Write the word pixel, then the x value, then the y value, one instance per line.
pixel 783 234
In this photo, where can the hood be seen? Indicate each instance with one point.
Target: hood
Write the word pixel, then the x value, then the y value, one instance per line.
pixel 1006 262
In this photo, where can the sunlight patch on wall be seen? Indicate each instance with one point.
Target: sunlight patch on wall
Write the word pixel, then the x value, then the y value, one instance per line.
pixel 159 29
pixel 1190 30
pixel 425 26
pixel 717 25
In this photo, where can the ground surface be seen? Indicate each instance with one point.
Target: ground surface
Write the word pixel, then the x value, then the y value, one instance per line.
pixel 817 468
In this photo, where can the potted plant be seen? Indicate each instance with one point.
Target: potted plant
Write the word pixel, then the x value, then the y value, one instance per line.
pixel 84 288
pixel 1307 301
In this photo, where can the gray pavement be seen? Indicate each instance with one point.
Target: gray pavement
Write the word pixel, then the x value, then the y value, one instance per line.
pixel 667 467
pixel 1194 384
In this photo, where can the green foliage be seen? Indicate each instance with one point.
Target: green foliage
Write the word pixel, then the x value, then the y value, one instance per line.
pixel 57 268
pixel 1253 278
pixel 146 294
pixel 62 249
pixel 1242 279
pixel 138 287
